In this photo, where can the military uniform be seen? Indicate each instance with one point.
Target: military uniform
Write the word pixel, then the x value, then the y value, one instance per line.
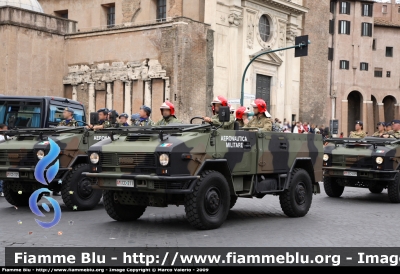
pixel 264 123
pixel 104 123
pixel 355 134
pixel 165 121
pixel 240 122
pixel 123 124
pixel 378 134
pixel 227 125
pixel 393 134
pixel 68 123
pixel 142 123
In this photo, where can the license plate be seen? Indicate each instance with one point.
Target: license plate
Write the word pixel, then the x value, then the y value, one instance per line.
pixel 125 183
pixel 349 173
pixel 12 174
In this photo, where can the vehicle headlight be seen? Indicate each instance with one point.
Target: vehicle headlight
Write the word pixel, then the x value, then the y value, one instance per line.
pixel 164 159
pixel 40 154
pixel 326 157
pixel 94 158
pixel 379 160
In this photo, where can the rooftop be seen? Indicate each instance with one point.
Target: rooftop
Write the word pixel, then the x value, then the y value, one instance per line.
pixel 385 23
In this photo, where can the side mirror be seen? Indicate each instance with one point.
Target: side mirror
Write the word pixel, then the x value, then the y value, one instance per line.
pixel 224 114
pixel 94 118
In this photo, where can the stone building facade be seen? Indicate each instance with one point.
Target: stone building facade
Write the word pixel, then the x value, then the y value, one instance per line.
pixel 360 41
pixel 127 53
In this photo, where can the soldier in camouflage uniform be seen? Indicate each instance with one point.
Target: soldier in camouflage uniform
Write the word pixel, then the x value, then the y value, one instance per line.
pixel 381 130
pixel 218 102
pixel 144 119
pixel 103 120
pixel 69 120
pixel 388 127
pixel 168 113
pixel 395 133
pixel 123 120
pixel 242 116
pixel 262 118
pixel 134 118
pixel 359 133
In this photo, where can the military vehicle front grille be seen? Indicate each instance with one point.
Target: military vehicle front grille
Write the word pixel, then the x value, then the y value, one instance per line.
pixel 139 170
pixel 134 138
pixel 16 157
pixel 129 159
pixel 352 161
pixel 170 185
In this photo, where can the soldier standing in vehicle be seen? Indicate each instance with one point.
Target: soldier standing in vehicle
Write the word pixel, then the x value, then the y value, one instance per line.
pixel 395 132
pixel 388 127
pixel 359 133
pixel 103 120
pixel 134 118
pixel 69 120
pixel 218 102
pixel 381 130
pixel 123 120
pixel 168 113
pixel 262 118
pixel 242 116
pixel 144 117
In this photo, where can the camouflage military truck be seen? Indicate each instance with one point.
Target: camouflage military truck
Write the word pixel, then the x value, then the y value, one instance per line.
pixel 370 162
pixel 20 155
pixel 205 169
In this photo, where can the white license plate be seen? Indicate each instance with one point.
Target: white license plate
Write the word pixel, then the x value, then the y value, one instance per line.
pixel 12 174
pixel 125 183
pixel 349 173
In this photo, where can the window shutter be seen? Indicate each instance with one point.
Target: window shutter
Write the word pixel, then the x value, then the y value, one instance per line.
pixel 331 26
pixel 330 54
pixel 370 30
pixel 347 64
pixel 348 27
pixel 370 10
pixel 348 7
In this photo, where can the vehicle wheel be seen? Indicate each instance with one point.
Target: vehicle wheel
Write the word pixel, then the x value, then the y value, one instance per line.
pixel 119 212
pixel 12 197
pixel 376 189
pixel 83 197
pixel 208 206
pixel 296 201
pixel 394 190
pixel 233 201
pixel 332 188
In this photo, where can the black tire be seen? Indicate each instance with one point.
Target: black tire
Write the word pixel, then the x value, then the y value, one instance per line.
pixel 119 212
pixel 332 188
pixel 233 201
pixel 208 205
pixel 83 196
pixel 296 201
pixel 12 197
pixel 376 189
pixel 394 190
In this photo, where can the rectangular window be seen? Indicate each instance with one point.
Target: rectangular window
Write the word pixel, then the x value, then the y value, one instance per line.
pixel 330 54
pixel 332 6
pixel 344 64
pixel 388 74
pixel 366 10
pixel 364 66
pixel 344 27
pixel 111 16
pixel 389 51
pixel 374 44
pixel 62 13
pixel 378 72
pixel 331 26
pixel 398 10
pixel 384 8
pixel 344 7
pixel 366 29
pixel 161 10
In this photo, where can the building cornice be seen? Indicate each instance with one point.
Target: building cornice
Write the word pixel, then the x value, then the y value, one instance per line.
pixel 285 5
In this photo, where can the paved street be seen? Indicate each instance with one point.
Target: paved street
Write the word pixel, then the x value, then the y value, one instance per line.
pixel 357 219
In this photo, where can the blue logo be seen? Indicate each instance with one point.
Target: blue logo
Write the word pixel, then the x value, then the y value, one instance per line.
pixel 45 177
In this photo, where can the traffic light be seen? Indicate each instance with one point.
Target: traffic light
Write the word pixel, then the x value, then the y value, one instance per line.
pixel 303 50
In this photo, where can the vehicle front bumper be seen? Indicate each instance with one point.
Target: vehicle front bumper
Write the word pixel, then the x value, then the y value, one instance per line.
pixel 143 183
pixel 362 174
pixel 28 173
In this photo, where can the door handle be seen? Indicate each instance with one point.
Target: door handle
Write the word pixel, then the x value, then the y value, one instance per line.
pixel 283 146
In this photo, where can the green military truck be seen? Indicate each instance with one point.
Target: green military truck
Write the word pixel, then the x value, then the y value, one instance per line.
pixel 371 162
pixel 31 121
pixel 204 168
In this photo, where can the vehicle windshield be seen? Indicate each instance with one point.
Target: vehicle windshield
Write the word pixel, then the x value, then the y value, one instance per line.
pixel 56 115
pixel 20 114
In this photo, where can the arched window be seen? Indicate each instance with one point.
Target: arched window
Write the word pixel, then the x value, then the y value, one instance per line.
pixel 264 28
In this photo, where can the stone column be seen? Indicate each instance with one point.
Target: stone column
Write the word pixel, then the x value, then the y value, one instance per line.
pixel 91 98
pixel 74 93
pixel 137 95
pixel 343 122
pixel 128 90
pixel 364 116
pixel 381 112
pixel 369 114
pixel 289 63
pixel 233 81
pixel 118 96
pixel 109 96
pixel 396 111
pixel 147 93
pixel 157 91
